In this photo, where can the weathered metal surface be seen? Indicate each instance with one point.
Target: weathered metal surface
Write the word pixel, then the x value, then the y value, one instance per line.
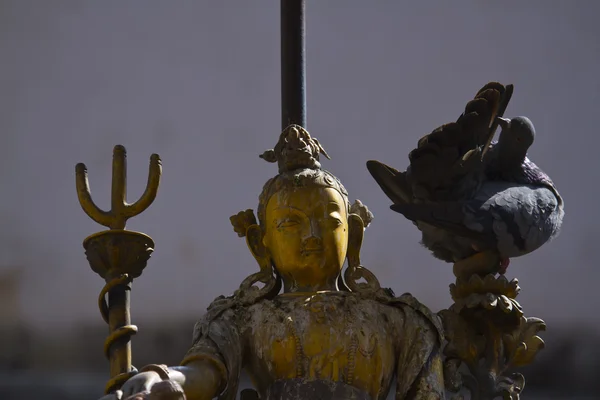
pixel 299 388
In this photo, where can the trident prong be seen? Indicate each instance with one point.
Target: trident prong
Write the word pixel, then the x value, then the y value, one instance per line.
pixel 120 211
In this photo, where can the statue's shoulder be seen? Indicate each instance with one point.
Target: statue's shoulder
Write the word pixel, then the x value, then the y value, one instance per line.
pixel 223 310
pixel 233 309
pixel 245 296
pixel 410 304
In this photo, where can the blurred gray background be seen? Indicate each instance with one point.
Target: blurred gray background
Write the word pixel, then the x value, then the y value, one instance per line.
pixel 198 83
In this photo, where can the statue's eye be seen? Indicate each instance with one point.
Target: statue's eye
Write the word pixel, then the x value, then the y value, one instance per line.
pixel 334 221
pixel 287 223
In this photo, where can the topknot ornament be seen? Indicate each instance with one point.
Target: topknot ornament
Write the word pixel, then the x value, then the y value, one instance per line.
pixel 295 149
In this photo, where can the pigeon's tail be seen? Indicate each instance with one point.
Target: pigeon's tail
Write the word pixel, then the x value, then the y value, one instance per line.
pixel 392 182
pixel 447 163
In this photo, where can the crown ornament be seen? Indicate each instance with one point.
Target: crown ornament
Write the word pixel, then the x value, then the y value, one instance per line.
pixel 295 149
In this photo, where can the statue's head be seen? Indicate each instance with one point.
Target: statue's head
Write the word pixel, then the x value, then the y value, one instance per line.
pixel 303 216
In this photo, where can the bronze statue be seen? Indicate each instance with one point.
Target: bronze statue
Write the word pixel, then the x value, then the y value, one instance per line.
pixel 323 336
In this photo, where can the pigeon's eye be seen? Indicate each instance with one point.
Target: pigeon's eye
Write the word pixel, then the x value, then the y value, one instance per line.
pixel 519 139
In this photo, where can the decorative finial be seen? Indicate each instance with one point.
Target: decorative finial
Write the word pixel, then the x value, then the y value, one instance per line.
pixel 120 211
pixel 295 149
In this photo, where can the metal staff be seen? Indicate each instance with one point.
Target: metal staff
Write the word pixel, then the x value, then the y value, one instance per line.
pixel 118 256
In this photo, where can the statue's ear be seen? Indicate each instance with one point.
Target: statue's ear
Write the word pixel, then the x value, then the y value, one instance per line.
pixel 254 240
pixel 355 271
pixel 356 231
pixel 356 228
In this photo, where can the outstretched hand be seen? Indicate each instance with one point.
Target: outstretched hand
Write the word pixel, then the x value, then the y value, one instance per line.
pixel 118 395
pixel 147 386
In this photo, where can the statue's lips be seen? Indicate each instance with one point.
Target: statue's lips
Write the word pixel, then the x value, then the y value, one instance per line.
pixel 314 250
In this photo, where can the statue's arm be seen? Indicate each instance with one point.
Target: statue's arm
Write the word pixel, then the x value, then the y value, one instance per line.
pixel 213 364
pixel 200 379
pixel 210 368
pixel 204 373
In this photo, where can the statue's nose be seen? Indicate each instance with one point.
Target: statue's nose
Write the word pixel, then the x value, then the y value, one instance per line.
pixel 313 243
pixel 315 228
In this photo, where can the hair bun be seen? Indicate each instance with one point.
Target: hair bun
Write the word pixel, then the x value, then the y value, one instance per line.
pixel 295 149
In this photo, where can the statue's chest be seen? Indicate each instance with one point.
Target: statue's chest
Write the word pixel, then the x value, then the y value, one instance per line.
pixel 324 336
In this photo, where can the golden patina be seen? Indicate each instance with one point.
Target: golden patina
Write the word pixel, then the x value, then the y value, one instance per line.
pixel 306 234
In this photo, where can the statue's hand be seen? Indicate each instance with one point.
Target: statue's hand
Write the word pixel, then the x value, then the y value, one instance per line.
pixel 117 395
pixel 139 383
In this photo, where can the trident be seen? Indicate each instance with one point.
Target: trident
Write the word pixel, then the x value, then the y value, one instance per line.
pixel 118 256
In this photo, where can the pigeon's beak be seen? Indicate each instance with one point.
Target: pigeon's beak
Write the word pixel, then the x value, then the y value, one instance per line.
pixel 488 142
pixel 504 123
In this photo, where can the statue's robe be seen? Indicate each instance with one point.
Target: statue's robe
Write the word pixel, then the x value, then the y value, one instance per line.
pixel 329 346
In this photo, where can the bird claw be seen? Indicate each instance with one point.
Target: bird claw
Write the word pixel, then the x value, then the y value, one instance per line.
pixel 504 262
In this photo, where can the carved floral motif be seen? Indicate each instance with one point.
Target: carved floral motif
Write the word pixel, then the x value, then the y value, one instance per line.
pixel 488 333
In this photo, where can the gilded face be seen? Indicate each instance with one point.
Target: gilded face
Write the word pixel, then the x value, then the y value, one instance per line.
pixel 306 233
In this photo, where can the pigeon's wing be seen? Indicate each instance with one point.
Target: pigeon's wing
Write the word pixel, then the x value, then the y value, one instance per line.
pixel 449 216
pixel 392 182
pixel 513 219
pixel 447 163
pixel 473 218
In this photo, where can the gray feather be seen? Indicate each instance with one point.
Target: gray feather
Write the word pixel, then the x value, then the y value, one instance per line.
pixel 392 182
pixel 515 220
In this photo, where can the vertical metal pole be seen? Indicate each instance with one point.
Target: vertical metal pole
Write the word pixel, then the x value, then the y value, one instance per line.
pixel 293 63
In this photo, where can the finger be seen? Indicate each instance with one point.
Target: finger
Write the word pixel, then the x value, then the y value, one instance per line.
pixel 147 386
pixel 130 388
pixel 139 396
pixel 117 395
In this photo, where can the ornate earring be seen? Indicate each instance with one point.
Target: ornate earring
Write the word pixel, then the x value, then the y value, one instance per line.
pixel 355 271
pixel 244 224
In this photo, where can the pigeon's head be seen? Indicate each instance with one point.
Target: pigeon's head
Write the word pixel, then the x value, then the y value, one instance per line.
pixel 517 136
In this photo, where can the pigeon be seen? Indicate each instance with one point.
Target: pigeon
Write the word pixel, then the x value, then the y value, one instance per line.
pixel 497 203
pixel 446 166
